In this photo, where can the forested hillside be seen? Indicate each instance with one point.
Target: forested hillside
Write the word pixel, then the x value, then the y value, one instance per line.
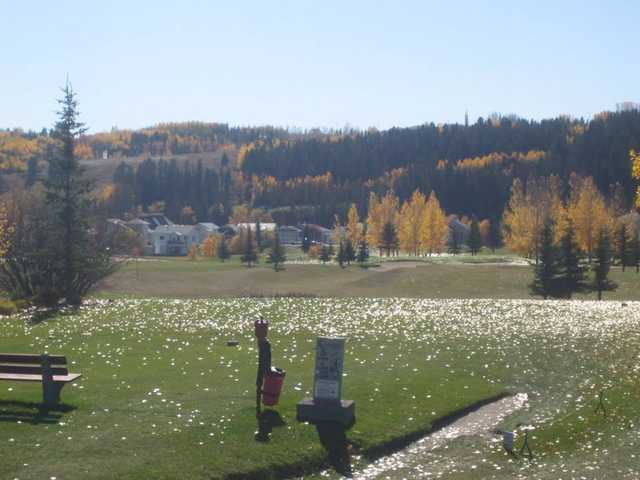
pixel 310 176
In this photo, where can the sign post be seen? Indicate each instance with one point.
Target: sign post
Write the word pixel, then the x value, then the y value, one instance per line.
pixel 327 404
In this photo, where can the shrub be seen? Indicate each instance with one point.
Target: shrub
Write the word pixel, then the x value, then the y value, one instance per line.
pixel 315 250
pixel 7 307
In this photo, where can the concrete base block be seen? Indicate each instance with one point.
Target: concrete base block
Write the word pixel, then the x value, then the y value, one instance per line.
pixel 309 411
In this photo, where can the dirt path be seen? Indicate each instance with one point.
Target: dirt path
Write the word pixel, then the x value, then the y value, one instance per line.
pixel 388 266
pixel 412 461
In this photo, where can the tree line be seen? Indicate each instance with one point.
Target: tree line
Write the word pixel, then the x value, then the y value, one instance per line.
pixel 471 168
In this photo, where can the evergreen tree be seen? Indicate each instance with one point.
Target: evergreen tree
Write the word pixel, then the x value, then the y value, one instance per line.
pixel 249 254
pixel 389 241
pixel 349 252
pixel 634 251
pixel 306 238
pixel 80 258
pixel 32 172
pixel 223 249
pixel 602 264
pixel 495 236
pixel 363 252
pixel 454 241
pixel 622 245
pixel 545 281
pixel 474 241
pixel 341 256
pixel 571 277
pixel 325 254
pixel 277 255
pixel 258 235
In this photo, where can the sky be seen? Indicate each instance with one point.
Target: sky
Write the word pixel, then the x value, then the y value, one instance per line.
pixel 315 63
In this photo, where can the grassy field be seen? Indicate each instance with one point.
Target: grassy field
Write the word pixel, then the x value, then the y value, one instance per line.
pixel 162 396
pixel 483 276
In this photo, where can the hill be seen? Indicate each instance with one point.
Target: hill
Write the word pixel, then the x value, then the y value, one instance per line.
pixel 313 175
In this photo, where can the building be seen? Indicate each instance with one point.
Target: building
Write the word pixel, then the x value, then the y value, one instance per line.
pixel 319 234
pixel 264 227
pixel 154 219
pixel 171 240
pixel 204 230
pixel 163 237
pixel 290 235
pixel 458 228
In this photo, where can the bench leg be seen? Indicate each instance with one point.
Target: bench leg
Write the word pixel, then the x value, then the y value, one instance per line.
pixel 51 393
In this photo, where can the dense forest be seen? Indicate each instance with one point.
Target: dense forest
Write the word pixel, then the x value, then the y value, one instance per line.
pixel 311 176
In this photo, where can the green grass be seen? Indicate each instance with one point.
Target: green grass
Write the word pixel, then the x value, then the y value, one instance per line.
pixel 162 396
pixel 454 278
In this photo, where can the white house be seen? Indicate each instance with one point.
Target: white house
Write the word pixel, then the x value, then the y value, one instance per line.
pixel 458 228
pixel 290 235
pixel 171 240
pixel 203 230
pixel 264 227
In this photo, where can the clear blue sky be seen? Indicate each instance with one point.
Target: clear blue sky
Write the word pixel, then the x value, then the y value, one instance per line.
pixel 315 63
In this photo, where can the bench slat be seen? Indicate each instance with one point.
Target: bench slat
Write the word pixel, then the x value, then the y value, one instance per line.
pixel 30 358
pixel 16 377
pixel 33 369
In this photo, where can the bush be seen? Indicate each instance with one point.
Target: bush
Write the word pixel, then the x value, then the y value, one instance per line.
pixel 315 250
pixel 7 307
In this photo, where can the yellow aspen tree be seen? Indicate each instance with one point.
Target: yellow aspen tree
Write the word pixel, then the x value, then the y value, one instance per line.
pixel 635 172
pixel 354 227
pixel 518 222
pixel 588 212
pixel 389 207
pixel 410 223
pixel 485 231
pixel 193 252
pixel 433 232
pixel 374 220
pixel 5 231
pixel 381 211
pixel 561 223
pixel 210 246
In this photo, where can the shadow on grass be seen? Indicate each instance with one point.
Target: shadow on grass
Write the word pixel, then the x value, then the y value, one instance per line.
pixel 334 439
pixel 267 421
pixel 33 413
pixel 42 315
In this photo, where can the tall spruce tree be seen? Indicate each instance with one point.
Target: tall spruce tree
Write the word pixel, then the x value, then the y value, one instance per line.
pixel 32 172
pixel 571 276
pixel 622 245
pixel 474 241
pixel 363 252
pixel 634 251
pixel 325 254
pixel 453 241
pixel 259 235
pixel 349 252
pixel 341 257
pixel 80 256
pixel 249 254
pixel 223 249
pixel 389 241
pixel 602 264
pixel 545 281
pixel 495 236
pixel 277 255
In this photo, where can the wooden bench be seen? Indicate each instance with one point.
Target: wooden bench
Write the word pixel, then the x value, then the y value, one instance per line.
pixel 50 370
